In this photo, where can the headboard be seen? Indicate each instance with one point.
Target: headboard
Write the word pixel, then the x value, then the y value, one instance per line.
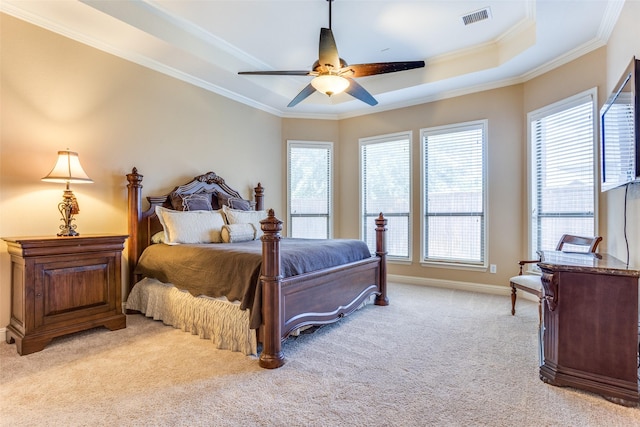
pixel 144 224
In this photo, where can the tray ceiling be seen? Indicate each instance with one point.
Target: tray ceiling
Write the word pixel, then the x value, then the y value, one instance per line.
pixel 207 43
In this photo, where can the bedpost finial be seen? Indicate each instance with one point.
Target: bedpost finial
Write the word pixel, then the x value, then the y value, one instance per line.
pixel 134 178
pixel 271 224
pixel 381 222
pixel 258 193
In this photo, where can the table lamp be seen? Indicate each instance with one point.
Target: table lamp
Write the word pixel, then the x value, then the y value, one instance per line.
pixel 68 170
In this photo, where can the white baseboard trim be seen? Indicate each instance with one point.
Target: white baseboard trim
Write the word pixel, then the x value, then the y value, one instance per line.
pixel 3 334
pixel 461 286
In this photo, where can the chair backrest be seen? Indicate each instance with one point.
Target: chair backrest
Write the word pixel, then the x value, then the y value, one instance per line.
pixel 590 243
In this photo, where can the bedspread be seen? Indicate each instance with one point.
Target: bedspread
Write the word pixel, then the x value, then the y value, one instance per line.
pixel 233 270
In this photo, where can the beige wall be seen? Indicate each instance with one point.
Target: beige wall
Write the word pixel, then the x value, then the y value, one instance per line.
pixel 586 72
pixel 623 44
pixel 314 130
pixel 57 93
pixel 504 175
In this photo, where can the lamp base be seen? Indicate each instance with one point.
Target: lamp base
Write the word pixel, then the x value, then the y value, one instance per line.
pixel 68 207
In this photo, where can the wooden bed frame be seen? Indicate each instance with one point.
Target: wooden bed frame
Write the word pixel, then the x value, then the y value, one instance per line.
pixel 315 298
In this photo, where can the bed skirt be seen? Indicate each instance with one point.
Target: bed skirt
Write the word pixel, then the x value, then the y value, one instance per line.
pixel 220 321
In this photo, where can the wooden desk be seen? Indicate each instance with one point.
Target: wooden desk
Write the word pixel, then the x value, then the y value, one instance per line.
pixel 590 338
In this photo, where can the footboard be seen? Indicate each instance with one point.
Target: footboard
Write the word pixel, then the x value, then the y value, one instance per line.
pixel 326 296
pixel 315 298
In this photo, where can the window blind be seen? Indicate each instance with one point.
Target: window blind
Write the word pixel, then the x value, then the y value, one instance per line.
pixel 310 192
pixel 563 173
pixel 454 193
pixel 386 188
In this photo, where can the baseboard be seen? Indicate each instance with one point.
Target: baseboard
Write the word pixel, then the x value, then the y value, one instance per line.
pixel 461 286
pixel 3 334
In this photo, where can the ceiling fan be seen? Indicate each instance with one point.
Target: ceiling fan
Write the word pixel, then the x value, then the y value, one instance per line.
pixel 333 75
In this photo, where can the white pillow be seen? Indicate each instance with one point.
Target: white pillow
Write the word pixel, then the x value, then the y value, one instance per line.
pixel 234 233
pixel 235 216
pixel 190 226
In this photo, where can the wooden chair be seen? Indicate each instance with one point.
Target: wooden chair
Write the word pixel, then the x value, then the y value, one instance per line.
pixel 532 283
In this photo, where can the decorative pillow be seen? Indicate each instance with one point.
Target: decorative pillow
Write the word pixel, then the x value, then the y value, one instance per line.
pixel 178 204
pixel 234 233
pixel 176 201
pixel 158 237
pixel 190 226
pixel 197 202
pixel 233 202
pixel 235 216
pixel 239 204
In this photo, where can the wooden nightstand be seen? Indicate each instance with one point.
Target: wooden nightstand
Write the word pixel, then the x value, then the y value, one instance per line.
pixel 61 285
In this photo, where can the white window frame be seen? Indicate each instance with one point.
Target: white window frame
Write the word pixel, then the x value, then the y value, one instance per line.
pixel 404 135
pixel 311 144
pixel 550 109
pixel 461 263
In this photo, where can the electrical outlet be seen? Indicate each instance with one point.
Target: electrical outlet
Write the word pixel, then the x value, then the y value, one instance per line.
pixel 492 269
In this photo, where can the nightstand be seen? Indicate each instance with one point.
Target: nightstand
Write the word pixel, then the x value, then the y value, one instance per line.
pixel 62 285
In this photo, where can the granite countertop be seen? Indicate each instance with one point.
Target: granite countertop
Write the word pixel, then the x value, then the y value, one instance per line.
pixel 585 263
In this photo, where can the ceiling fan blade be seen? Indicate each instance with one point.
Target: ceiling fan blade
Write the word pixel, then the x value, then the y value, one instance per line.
pixel 328 51
pixel 304 93
pixel 276 73
pixel 362 70
pixel 360 93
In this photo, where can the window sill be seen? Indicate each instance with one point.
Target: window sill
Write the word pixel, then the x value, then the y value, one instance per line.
pixel 399 261
pixel 456 266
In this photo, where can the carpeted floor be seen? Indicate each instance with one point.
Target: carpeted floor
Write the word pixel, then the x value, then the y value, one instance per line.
pixel 434 357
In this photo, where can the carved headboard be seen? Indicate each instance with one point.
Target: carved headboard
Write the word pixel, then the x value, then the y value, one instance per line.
pixel 144 224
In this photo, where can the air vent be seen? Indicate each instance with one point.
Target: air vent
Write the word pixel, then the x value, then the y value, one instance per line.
pixel 477 16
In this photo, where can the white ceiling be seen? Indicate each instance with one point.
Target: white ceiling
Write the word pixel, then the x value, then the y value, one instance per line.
pixel 206 43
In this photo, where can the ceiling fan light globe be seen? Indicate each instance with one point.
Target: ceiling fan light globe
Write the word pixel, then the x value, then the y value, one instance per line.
pixel 330 84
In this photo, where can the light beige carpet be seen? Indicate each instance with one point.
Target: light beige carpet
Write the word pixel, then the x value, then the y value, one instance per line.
pixel 434 357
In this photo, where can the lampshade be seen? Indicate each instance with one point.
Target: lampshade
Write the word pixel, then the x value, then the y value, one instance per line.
pixel 330 84
pixel 67 170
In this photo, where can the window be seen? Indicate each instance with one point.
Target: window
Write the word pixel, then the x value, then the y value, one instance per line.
pixel 562 189
pixel 309 181
pixel 385 165
pixel 453 176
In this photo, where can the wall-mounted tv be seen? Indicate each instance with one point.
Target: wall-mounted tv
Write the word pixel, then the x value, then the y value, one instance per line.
pixel 620 131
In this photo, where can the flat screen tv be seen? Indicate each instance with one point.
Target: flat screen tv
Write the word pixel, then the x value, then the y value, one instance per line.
pixel 620 131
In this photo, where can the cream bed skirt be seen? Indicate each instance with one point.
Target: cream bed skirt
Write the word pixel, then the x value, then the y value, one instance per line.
pixel 221 321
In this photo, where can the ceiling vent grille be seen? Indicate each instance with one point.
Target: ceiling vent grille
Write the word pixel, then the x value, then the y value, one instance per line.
pixel 477 16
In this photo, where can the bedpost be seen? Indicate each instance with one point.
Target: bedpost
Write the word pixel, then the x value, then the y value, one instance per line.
pixel 270 280
pixel 259 197
pixel 135 215
pixel 381 252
